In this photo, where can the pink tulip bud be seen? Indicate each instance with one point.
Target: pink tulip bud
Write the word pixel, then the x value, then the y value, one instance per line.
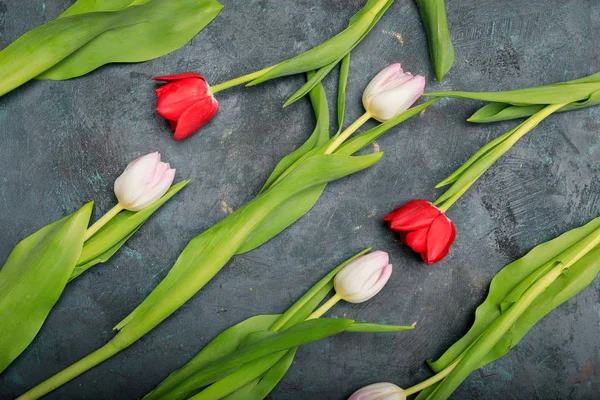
pixel 391 92
pixel 379 391
pixel 144 181
pixel 363 278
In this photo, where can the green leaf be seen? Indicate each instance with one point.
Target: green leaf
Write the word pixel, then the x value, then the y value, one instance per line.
pixel 341 98
pixel 495 112
pixel 86 6
pixel 364 139
pixel 550 94
pixel 311 299
pixel 100 247
pixel 301 333
pixel 260 388
pixel 77 44
pixel 368 327
pixel 511 277
pixel 333 49
pixel 325 69
pixel 480 154
pixel 225 344
pixel 33 278
pixel 318 138
pixel 165 27
pixel 244 375
pixel 441 51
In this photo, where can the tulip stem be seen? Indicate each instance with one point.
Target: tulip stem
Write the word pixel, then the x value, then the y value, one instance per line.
pixel 239 81
pixel 521 131
pixel 434 379
pixel 347 132
pixel 102 221
pixel 325 307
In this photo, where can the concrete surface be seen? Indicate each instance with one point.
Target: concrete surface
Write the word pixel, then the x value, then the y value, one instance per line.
pixel 64 143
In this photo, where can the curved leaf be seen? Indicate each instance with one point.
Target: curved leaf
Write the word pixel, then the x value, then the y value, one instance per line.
pixel 166 26
pixel 225 344
pixel 495 112
pixel 509 279
pixel 441 50
pixel 550 94
pixel 33 278
pixel 100 247
pixel 333 49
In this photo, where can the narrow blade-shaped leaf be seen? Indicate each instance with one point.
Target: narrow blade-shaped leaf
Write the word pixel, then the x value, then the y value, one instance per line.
pixel 495 112
pixel 301 333
pixel 369 327
pixel 225 344
pixel 260 388
pixel 100 247
pixel 364 139
pixel 441 50
pixel 330 51
pixel 33 278
pixel 319 136
pixel 551 94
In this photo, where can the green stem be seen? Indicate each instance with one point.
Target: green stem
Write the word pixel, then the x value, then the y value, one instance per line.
pixel 434 379
pixel 240 80
pixel 485 343
pixel 521 131
pixel 102 221
pixel 325 307
pixel 103 353
pixel 349 131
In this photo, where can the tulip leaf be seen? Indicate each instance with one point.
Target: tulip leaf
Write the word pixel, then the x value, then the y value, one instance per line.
pixel 77 44
pixel 495 112
pixel 299 334
pixel 319 136
pixel 324 69
pixel 364 139
pixel 341 98
pixel 334 49
pixel 33 278
pixel 86 6
pixel 100 247
pixel 549 94
pixel 260 388
pixel 368 327
pixel 517 277
pixel 306 304
pixel 167 26
pixel 441 50
pixel 225 344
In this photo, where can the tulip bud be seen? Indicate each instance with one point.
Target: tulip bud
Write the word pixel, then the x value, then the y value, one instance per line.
pixel 363 278
pixel 423 228
pixel 186 102
pixel 379 391
pixel 143 182
pixel 392 92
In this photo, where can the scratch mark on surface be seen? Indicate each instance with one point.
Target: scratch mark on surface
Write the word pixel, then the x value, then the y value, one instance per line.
pixel 225 208
pixel 396 36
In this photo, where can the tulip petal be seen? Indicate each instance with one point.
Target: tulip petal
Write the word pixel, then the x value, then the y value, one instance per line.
pixel 195 116
pixel 415 214
pixel 378 80
pixel 175 77
pixel 397 99
pixel 440 237
pixel 131 184
pixel 364 277
pixel 176 97
pixel 154 191
pixel 417 240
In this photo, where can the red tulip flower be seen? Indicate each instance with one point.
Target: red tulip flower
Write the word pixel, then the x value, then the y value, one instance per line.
pixel 186 102
pixel 423 228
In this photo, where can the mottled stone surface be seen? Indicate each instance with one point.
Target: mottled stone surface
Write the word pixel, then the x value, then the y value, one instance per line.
pixel 64 143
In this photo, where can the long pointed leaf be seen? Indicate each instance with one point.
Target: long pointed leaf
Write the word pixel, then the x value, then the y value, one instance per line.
pixel 33 278
pixel 441 51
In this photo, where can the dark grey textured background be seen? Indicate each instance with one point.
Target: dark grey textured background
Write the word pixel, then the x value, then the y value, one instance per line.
pixel 64 143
